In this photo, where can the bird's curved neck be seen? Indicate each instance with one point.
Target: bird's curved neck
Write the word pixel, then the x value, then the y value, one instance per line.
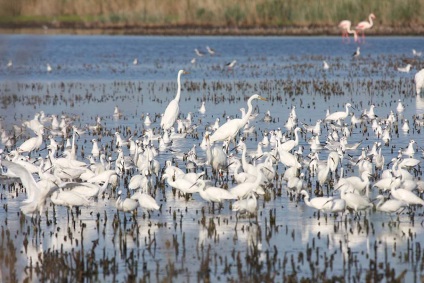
pixel 249 111
pixel 370 19
pixel 347 110
pixel 243 156
pixel 177 97
pixel 296 135
pixel 307 200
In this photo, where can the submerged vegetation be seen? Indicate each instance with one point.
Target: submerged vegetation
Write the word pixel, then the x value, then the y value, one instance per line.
pixel 394 16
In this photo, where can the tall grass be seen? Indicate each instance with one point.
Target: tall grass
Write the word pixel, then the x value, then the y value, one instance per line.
pixel 240 13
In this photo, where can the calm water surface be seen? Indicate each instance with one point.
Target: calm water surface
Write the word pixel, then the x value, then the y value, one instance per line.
pixel 186 240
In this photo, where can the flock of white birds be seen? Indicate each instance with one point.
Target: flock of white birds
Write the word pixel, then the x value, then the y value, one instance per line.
pixel 64 179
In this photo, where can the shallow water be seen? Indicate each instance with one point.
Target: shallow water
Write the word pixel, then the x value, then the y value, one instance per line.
pixel 186 240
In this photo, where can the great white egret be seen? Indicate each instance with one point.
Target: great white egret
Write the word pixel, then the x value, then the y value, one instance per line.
pixel 145 201
pixel 36 193
pixel 126 205
pixel 341 115
pixel 213 194
pixel 248 205
pixel 390 205
pixel 173 108
pixel 319 203
pixel 229 130
pixel 419 81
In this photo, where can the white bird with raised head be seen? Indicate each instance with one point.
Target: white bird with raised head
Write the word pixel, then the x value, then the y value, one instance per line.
pixel 229 130
pixel 172 110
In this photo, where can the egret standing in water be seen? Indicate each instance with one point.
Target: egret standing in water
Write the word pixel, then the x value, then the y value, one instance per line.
pixel 171 112
pixel 229 130
pixel 419 81
pixel 341 115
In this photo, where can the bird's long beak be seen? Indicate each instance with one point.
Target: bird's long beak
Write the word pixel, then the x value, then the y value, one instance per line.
pixel 263 98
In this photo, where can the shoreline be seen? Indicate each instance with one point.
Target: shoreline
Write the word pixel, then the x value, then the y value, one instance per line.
pixel 124 29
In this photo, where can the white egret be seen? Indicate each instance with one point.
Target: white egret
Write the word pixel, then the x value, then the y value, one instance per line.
pixel 295 184
pixel 248 205
pixel 69 199
pixel 215 155
pixel 229 130
pixel 244 189
pixel 95 151
pixel 147 120
pixel 408 162
pixel 202 109
pixel 32 143
pixel 186 187
pixel 405 69
pixel 416 53
pixel 126 205
pixel 290 144
pixel 213 194
pixel 36 193
pixel 419 81
pixel 145 201
pixel 353 200
pixel 117 113
pixel 400 108
pixel 390 205
pixel 319 203
pixel 325 65
pixel 172 110
pixel 341 115
pixel 242 176
pixel 404 195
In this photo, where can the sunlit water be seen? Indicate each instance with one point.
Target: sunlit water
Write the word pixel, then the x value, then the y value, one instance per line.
pixel 187 240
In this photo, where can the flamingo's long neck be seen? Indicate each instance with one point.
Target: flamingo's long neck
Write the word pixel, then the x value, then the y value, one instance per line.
pixel 177 97
pixel 355 34
pixel 371 22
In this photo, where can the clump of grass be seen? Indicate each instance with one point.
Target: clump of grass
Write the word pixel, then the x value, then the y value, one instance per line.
pixel 215 13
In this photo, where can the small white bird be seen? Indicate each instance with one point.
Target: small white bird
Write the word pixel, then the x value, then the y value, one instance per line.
pixel 210 50
pixel 416 53
pixel 199 53
pixel 405 69
pixel 202 108
pixel 135 62
pixel 400 108
pixel 49 68
pixel 9 64
pixel 325 65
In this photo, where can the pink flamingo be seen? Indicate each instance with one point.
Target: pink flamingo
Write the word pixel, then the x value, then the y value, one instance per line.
pixel 345 27
pixel 362 26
